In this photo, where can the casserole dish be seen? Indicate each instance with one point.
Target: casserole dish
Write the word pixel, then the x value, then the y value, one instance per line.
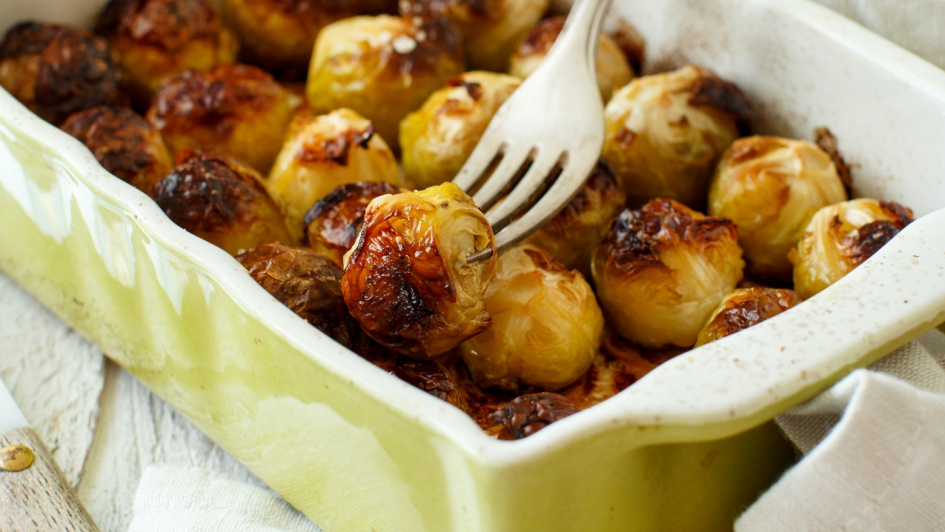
pixel 685 448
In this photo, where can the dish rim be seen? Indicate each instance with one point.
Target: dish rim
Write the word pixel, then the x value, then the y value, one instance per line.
pixel 633 406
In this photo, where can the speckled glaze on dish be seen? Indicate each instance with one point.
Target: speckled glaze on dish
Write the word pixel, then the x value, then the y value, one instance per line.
pixel 685 448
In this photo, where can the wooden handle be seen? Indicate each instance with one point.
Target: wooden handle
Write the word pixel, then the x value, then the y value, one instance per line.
pixel 38 498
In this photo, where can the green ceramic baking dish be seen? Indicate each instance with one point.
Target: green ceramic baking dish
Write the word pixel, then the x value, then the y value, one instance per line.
pixel 685 448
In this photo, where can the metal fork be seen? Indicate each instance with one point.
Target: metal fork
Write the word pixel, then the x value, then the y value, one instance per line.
pixel 547 137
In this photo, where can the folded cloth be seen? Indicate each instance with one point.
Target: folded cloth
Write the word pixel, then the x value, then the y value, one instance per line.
pixel 917 25
pixel 174 499
pixel 874 445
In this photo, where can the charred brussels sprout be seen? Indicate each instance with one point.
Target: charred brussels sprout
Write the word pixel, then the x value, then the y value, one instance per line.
pixel 745 308
pixel 407 280
pixel 157 39
pixel 665 133
pixel 321 153
pixel 491 29
pixel 841 237
pixel 56 70
pixel 382 67
pixel 613 70
pixel 234 109
pixel 309 284
pixel 546 325
pixel 527 414
pixel 333 223
pixel 573 235
pixel 123 143
pixel 771 187
pixel 438 138
pixel 223 202
pixel 661 270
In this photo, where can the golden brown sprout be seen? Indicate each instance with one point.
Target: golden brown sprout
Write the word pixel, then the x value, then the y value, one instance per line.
pixel 220 200
pixel 438 138
pixel 841 237
pixel 546 325
pixel 56 70
pixel 527 414
pixel 279 34
pixel 771 187
pixel 123 143
pixel 333 223
pixel 320 154
pixel 158 39
pixel 407 280
pixel 572 236
pixel 235 109
pixel 382 67
pixel 491 29
pixel 310 285
pixel 745 308
pixel 665 133
pixel 613 70
pixel 661 270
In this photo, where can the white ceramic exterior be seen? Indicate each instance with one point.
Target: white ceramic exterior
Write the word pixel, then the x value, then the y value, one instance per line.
pixel 357 449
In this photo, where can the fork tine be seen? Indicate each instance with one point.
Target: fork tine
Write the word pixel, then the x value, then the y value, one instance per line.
pixel 508 169
pixel 527 189
pixel 565 187
pixel 479 160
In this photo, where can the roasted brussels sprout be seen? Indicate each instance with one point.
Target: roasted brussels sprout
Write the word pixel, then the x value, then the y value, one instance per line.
pixel 333 223
pixel 546 325
pixel 321 153
pixel 665 133
pixel 661 270
pixel 438 138
pixel 310 285
pixel 573 235
pixel 491 29
pixel 157 39
pixel 841 237
pixel 613 70
pixel 235 109
pixel 124 143
pixel 220 200
pixel 406 278
pixel 56 70
pixel 527 414
pixel 279 34
pixel 744 308
pixel 771 187
pixel 382 67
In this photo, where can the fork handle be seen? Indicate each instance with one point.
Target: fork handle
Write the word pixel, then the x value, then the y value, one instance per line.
pixel 36 497
pixel 582 29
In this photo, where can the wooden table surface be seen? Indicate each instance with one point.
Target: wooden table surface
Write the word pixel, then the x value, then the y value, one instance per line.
pixel 102 426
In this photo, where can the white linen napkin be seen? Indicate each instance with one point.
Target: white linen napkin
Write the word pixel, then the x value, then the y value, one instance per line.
pixel 916 25
pixel 175 499
pixel 880 467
